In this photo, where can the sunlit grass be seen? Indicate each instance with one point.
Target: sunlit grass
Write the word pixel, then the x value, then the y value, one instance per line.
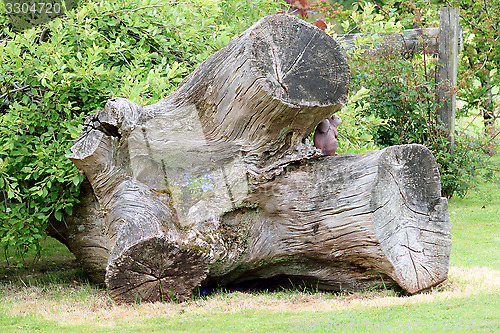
pixel 470 295
pixel 475 227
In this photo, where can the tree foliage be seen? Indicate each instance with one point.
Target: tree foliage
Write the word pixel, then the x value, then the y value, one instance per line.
pixel 481 56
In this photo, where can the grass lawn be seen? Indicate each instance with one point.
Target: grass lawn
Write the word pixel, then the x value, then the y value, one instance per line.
pixel 55 295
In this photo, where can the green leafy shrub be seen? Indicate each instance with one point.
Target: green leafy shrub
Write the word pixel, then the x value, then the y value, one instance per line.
pixel 466 165
pixel 53 75
pixel 355 132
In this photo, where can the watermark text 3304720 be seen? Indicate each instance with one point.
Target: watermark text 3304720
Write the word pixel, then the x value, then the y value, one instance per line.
pixel 24 14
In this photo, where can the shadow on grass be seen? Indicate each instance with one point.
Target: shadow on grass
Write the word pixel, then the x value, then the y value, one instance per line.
pixel 55 265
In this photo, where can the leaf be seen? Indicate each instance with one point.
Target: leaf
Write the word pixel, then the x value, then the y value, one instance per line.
pixel 320 23
pixel 58 215
pixel 345 25
pixel 76 180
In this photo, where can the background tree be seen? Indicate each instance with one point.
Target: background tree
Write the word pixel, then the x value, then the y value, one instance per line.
pixel 480 58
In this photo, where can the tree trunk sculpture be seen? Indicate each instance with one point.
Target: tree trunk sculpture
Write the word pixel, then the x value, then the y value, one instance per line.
pixel 217 184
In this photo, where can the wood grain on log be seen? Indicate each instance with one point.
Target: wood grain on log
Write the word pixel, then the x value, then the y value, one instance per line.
pixel 217 185
pixel 349 221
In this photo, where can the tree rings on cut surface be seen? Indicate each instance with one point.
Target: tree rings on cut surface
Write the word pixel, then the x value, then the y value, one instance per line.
pixel 155 270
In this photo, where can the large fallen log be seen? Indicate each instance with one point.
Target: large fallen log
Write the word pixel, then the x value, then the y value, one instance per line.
pixel 218 185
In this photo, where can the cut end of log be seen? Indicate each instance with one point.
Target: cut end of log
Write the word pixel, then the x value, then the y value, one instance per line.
pixel 410 217
pixel 306 66
pixel 155 270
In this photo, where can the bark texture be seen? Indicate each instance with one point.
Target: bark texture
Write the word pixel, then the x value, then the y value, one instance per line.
pixel 217 184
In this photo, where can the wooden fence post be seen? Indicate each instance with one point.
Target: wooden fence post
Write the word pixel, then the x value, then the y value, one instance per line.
pixel 449 38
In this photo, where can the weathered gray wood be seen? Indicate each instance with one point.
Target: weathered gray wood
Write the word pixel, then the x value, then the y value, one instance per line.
pixel 409 41
pixel 349 222
pixel 216 184
pixel 85 234
pixel 449 37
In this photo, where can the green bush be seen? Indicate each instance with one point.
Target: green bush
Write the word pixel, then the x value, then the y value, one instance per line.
pixel 466 165
pixel 53 75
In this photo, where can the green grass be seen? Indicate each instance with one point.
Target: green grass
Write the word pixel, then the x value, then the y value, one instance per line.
pixel 55 296
pixel 473 313
pixel 475 227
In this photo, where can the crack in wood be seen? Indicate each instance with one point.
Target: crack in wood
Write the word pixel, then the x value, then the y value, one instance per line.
pixel 135 287
pixel 409 248
pixel 277 64
pixel 380 207
pixel 412 261
pixel 301 54
pixel 405 201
